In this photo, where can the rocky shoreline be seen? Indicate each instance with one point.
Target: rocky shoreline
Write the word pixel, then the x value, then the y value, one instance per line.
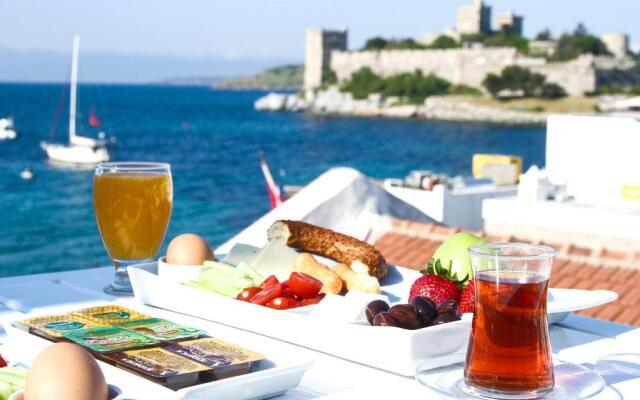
pixel 443 108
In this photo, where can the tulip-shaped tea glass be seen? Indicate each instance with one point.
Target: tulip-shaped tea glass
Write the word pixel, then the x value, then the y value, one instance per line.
pixel 132 201
pixel 509 354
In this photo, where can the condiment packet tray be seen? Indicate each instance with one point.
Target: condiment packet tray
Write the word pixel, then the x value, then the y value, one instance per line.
pixel 282 370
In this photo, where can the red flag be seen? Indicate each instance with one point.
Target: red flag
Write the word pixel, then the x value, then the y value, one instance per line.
pixel 275 196
pixel 93 120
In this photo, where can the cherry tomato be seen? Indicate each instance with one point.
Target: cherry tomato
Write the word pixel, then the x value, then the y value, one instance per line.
pixel 304 285
pixel 270 281
pixel 283 303
pixel 267 294
pixel 3 363
pixel 313 300
pixel 248 293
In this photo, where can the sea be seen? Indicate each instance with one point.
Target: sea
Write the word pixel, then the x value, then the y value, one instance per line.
pixel 212 139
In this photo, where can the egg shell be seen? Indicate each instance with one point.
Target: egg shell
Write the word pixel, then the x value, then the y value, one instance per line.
pixel 188 249
pixel 65 371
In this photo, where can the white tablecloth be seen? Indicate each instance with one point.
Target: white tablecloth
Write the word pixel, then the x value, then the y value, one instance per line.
pixel 577 339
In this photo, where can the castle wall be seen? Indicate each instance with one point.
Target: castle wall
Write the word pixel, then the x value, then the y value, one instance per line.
pixel 464 66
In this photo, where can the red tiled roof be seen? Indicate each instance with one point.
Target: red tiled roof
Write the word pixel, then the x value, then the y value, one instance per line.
pixel 411 244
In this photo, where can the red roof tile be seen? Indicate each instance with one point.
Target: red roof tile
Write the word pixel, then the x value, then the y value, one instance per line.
pixel 578 251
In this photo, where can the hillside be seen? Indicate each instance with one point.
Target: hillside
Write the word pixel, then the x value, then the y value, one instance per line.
pixel 285 77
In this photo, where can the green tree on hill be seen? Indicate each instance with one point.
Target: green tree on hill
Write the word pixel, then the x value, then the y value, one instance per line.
pixel 580 42
pixel 444 42
pixel 362 83
pixel 544 35
pixel 376 43
pixel 515 81
pixel 414 87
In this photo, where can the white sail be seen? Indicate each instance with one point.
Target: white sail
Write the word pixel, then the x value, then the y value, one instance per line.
pixel 81 150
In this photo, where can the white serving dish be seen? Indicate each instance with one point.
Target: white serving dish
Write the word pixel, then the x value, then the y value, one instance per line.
pixel 392 349
pixel 280 372
pixel 177 273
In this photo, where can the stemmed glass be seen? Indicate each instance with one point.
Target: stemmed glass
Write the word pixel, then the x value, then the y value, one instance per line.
pixel 132 202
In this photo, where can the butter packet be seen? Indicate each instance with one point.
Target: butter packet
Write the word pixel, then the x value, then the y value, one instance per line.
pixel 213 352
pixel 160 329
pixel 109 315
pixel 108 338
pixel 55 326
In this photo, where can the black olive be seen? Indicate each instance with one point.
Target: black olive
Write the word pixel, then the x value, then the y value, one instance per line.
pixel 384 319
pixel 425 309
pixel 406 316
pixel 445 317
pixel 374 308
pixel 447 306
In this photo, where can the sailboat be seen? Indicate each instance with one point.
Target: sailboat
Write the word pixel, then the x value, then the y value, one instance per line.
pixel 6 129
pixel 81 149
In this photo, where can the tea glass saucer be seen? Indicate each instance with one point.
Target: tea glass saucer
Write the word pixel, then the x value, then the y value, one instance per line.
pixel 572 381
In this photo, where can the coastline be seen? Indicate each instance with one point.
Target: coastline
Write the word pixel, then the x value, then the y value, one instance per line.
pixel 331 101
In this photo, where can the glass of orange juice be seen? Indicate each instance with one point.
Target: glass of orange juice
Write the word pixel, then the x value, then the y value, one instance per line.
pixel 132 201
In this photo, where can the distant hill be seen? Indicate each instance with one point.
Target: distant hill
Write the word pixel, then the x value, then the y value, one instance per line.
pixel 285 77
pixel 192 81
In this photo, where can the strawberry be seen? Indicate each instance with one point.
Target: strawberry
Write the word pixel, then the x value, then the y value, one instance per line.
pixel 437 284
pixel 467 298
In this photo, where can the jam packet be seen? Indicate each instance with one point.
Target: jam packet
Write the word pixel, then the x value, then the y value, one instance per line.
pixel 53 327
pixel 226 359
pixel 160 365
pixel 213 352
pixel 160 329
pixel 109 315
pixel 109 338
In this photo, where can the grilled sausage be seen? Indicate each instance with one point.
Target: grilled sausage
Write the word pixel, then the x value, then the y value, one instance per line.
pixel 361 256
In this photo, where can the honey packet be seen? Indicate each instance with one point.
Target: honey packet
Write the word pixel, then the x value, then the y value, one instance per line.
pixel 109 338
pixel 53 327
pixel 109 315
pixel 160 329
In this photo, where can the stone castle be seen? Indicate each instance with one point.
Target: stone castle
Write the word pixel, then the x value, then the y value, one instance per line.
pixel 327 52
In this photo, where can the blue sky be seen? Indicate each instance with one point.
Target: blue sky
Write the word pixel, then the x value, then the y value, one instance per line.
pixel 268 30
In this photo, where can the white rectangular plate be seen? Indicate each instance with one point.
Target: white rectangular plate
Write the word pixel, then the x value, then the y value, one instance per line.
pixel 280 372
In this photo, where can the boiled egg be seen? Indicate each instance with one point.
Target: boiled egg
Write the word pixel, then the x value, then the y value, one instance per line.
pixel 65 371
pixel 188 249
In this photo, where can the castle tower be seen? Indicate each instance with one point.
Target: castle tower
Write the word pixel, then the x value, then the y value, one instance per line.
pixel 617 44
pixel 509 21
pixel 474 18
pixel 319 44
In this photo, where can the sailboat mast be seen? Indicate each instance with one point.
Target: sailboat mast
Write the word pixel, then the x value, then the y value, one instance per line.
pixel 73 89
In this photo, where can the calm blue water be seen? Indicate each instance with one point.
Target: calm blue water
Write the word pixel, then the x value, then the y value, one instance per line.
pixel 47 224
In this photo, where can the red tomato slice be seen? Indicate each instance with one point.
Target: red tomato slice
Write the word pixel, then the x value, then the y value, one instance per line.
pixel 304 285
pixel 248 293
pixel 3 363
pixel 270 281
pixel 283 303
pixel 267 294
pixel 313 300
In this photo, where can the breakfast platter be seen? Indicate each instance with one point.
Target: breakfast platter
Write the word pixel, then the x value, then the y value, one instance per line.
pixel 338 323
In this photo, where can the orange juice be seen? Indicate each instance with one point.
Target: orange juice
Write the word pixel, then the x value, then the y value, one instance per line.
pixel 133 211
